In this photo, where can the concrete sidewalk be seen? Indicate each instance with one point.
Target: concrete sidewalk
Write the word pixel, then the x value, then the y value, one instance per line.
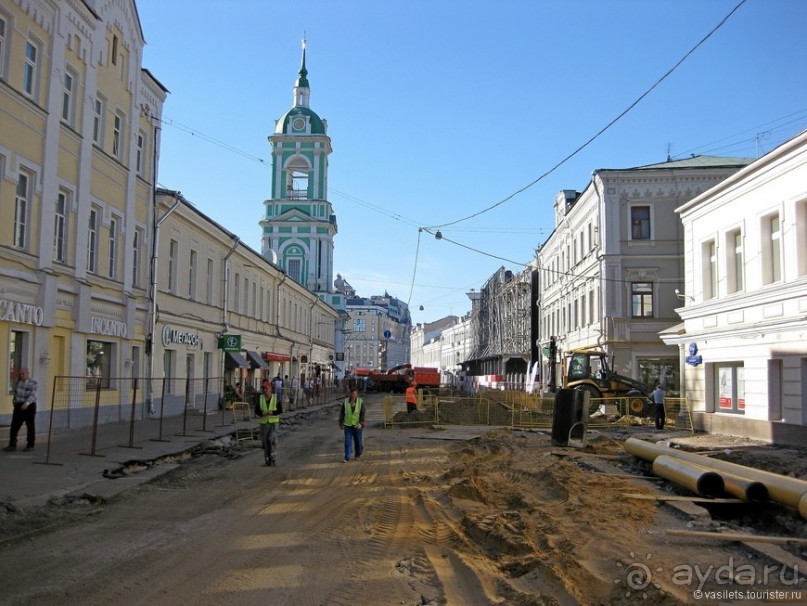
pixel 31 479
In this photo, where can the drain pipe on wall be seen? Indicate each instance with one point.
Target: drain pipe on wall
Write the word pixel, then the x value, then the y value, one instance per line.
pixel 225 286
pixel 155 244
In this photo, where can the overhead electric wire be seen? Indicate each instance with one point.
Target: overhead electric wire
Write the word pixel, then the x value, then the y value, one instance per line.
pixel 602 130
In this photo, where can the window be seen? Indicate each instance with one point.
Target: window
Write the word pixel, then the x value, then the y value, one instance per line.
pixel 730 388
pixel 210 281
pixel 114 52
pixel 3 46
pixel 173 251
pixel 709 261
pixel 641 296
pixel 771 249
pixel 99 111
pixel 117 136
pixel 99 364
pixel 30 72
pixel 245 302
pixel 21 209
pixel 236 292
pixel 112 266
pixel 60 227
pixel 92 241
pixel 137 240
pixel 640 222
pixel 141 153
pixel 734 264
pixel 192 276
pixel 801 237
pixel 17 356
pixel 69 97
pixel 294 269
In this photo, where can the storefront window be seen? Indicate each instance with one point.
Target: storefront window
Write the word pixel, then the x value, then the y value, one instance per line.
pixel 664 370
pixel 15 357
pixel 99 356
pixel 730 388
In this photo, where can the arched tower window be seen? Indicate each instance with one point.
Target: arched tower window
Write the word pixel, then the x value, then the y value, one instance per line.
pixel 297 177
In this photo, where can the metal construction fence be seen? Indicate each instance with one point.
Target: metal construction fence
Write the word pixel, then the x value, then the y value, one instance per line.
pixel 519 409
pixel 89 414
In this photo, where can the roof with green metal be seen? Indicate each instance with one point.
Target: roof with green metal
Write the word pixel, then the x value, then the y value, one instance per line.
pixel 317 125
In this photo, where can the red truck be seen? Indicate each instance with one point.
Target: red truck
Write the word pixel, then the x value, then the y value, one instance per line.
pixel 397 379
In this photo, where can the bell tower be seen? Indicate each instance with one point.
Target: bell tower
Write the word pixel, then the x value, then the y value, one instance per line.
pixel 299 223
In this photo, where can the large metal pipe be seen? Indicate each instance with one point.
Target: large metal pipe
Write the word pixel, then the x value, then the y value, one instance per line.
pixel 743 488
pixel 782 489
pixel 691 476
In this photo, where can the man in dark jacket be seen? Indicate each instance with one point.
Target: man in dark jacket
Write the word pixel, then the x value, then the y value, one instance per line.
pixel 24 411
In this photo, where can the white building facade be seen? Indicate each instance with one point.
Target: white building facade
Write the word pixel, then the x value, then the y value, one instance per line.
pixel 743 341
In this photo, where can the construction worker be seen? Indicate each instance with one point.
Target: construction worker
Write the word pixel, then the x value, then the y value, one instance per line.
pixel 412 397
pixel 270 408
pixel 351 419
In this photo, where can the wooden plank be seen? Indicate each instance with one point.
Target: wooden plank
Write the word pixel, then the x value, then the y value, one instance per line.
pixel 662 497
pixel 733 536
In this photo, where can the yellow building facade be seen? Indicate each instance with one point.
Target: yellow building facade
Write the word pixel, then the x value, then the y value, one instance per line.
pixel 78 122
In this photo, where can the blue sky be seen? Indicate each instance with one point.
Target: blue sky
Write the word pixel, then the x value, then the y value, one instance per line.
pixel 439 109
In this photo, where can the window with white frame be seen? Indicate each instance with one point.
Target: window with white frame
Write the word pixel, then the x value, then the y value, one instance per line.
pixel 734 263
pixel 294 269
pixel 709 262
pixel 117 136
pixel 640 222
pixel 99 363
pixel 98 125
pixel 801 237
pixel 641 296
pixel 173 259
pixel 92 240
pixel 22 208
pixel 60 226
pixel 141 153
pixel 30 70
pixel 112 260
pixel 771 249
pixel 192 276
pixel 69 96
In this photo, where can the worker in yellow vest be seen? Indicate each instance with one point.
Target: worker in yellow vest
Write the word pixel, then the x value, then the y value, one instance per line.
pixel 270 409
pixel 351 419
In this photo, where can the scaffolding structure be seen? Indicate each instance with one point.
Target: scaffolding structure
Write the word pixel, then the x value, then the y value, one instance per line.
pixel 500 320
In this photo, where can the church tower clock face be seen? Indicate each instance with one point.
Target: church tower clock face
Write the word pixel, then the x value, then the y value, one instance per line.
pixel 299 223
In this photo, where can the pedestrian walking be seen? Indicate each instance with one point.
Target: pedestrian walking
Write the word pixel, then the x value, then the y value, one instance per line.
pixel 351 420
pixel 658 400
pixel 24 403
pixel 295 387
pixel 277 386
pixel 268 407
pixel 412 397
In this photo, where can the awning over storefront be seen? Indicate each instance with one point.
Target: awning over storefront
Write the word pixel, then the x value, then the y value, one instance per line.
pixel 273 357
pixel 233 359
pixel 256 361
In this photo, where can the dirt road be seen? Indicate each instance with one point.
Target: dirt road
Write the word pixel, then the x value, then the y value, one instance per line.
pixel 452 516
